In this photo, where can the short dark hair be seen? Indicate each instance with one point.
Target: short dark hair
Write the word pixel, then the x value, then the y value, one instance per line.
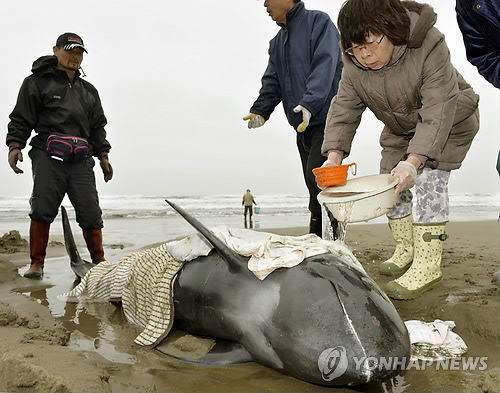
pixel 358 18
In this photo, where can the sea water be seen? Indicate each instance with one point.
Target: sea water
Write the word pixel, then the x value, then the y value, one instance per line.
pixel 463 207
pixel 151 214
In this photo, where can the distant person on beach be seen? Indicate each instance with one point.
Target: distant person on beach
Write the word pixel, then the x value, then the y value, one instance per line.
pixel 303 72
pixel 479 21
pixel 397 64
pixel 247 202
pixel 66 113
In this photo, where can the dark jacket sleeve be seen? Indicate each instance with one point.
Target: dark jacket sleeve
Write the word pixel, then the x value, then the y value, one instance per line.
pixel 481 31
pixel 24 117
pixel 270 92
pixel 324 62
pixel 97 123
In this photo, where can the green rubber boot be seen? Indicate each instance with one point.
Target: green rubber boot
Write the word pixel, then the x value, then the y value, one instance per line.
pixel 402 232
pixel 425 272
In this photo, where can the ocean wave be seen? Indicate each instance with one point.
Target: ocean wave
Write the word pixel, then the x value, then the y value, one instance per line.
pixel 468 205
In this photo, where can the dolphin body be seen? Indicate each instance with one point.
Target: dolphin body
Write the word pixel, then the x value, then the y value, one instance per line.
pixel 320 321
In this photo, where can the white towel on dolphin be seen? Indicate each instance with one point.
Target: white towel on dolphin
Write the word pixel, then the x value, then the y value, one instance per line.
pixel 267 251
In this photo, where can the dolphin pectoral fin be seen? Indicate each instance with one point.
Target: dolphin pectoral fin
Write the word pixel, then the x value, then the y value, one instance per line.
pixel 226 352
pixel 210 351
pixel 78 265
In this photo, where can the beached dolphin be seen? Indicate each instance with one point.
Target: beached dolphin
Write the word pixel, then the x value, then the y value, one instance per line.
pixel 320 321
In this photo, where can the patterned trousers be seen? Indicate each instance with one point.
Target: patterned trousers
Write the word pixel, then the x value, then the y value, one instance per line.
pixel 431 191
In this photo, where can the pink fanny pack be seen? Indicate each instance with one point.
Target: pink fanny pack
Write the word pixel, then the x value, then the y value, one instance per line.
pixel 67 148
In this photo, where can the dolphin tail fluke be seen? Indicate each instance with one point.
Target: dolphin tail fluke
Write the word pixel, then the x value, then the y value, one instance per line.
pixel 78 265
pixel 234 260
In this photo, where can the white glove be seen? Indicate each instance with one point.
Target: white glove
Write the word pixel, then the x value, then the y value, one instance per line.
pixel 334 158
pixel 407 174
pixel 329 163
pixel 254 120
pixel 306 116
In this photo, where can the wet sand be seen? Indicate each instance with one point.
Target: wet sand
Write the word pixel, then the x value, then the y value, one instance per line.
pixel 49 345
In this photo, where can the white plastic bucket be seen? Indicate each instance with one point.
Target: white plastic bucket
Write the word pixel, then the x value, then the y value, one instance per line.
pixel 360 199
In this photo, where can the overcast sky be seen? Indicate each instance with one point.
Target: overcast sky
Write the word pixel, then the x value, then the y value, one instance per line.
pixel 176 78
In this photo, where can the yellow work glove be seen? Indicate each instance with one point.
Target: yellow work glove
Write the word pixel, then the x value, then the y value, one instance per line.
pixel 254 120
pixel 306 116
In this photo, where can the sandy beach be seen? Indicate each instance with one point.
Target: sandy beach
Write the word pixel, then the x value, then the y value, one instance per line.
pixel 48 345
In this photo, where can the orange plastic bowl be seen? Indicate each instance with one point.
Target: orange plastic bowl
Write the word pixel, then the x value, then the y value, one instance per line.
pixel 329 176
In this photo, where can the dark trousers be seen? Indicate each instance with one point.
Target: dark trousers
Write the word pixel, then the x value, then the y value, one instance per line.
pixel 309 144
pixel 248 209
pixel 52 179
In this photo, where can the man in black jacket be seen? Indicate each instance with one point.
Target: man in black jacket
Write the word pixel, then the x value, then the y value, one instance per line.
pixel 54 101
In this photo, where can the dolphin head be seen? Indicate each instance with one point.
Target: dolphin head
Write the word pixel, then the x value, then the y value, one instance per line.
pixel 340 322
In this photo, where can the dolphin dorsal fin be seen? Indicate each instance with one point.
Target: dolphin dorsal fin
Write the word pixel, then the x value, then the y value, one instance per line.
pixel 233 259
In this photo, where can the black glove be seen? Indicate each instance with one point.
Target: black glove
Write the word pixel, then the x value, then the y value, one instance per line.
pixel 15 155
pixel 106 167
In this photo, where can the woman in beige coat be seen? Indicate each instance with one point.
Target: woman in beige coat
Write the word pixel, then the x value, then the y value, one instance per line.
pixel 397 64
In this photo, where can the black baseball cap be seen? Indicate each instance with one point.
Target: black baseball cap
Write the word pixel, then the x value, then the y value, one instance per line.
pixel 69 41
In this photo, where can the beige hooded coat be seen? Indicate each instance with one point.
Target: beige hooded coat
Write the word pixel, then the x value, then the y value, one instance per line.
pixel 426 106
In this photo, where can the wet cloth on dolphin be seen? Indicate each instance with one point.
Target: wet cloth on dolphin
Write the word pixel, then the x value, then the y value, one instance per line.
pixel 434 340
pixel 143 282
pixel 268 251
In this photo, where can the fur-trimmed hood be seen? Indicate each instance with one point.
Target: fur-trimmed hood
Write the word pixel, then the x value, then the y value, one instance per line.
pixel 426 106
pixel 421 23
pixel 422 20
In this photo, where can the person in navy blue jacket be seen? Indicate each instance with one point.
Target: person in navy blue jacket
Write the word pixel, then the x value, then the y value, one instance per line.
pixel 479 21
pixel 303 73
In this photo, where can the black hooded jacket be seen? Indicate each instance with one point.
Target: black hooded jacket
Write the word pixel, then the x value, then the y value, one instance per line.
pixel 49 102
